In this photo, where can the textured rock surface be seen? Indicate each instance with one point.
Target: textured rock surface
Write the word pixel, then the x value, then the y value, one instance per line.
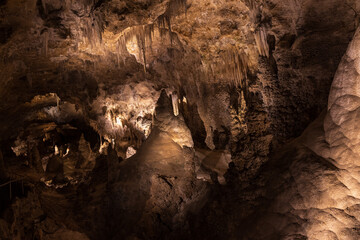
pixel 309 190
pixel 341 123
pixel 85 81
pixel 76 50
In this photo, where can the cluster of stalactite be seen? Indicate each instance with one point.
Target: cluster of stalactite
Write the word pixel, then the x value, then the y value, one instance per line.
pixel 93 28
pixel 260 33
pixel 261 42
pixel 86 30
pixel 236 66
pixel 252 4
pixel 233 66
pixel 145 33
pixel 132 131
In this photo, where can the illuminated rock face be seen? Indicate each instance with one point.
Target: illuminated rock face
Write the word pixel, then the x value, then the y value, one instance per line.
pixel 128 109
pixel 169 119
pixel 341 124
pixel 310 190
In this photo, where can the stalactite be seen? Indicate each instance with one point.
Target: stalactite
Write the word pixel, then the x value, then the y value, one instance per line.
pixel 149 31
pixel 121 49
pixel 251 4
pixel 140 39
pixel 118 53
pixel 56 150
pixel 97 28
pixel 164 22
pixel 92 28
pixel 260 34
pixel 235 66
pixel 92 37
pixel 43 2
pixel 175 103
pixel 58 103
pixel 112 118
pixel 261 42
pixel 174 7
pixel 140 33
pixel 144 56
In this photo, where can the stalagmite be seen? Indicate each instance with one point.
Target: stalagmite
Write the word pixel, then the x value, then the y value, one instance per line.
pixel 119 125
pixel 184 100
pixel 67 152
pixel 175 103
pixel 130 152
pixel 56 152
pixel 103 147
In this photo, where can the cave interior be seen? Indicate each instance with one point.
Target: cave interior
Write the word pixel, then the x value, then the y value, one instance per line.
pixel 179 119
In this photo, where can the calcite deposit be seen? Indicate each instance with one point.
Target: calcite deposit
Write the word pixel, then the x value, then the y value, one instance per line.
pixel 179 119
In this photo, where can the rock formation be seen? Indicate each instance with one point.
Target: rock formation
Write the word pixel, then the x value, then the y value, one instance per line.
pixel 179 119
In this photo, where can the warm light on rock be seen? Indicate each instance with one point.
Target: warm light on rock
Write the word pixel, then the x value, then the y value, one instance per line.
pixel 179 119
